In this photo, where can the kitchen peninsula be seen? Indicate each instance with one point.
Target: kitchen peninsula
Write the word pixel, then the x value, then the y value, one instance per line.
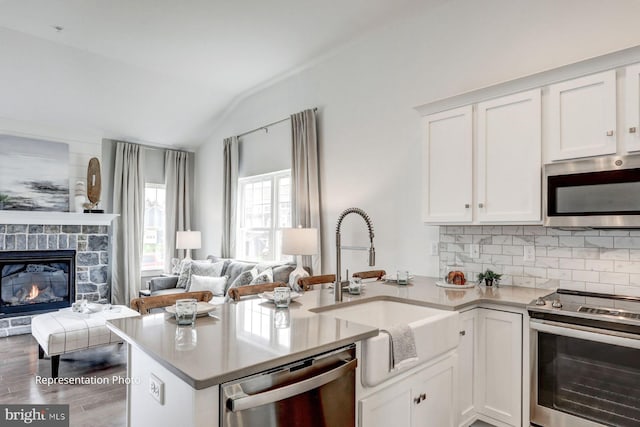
pixel 178 377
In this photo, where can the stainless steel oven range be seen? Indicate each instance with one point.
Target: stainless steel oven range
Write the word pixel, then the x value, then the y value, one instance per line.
pixel 586 360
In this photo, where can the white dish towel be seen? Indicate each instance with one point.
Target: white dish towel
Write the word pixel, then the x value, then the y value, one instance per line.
pixel 402 346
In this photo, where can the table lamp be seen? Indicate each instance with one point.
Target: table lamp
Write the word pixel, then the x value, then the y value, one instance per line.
pixel 299 241
pixel 188 240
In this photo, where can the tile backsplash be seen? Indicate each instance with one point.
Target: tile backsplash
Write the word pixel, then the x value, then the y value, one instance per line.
pixel 593 260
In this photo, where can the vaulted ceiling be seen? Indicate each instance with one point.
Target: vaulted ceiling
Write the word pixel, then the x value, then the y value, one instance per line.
pixel 161 71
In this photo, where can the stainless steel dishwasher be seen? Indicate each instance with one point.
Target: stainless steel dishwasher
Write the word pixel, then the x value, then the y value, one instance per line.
pixel 314 392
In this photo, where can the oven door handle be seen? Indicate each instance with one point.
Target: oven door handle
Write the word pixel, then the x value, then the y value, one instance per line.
pixel 236 404
pixel 585 333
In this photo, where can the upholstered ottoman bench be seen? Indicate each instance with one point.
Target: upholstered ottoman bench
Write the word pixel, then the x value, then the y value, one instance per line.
pixel 65 331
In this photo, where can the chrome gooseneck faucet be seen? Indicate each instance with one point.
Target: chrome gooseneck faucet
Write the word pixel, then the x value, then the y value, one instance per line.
pixel 337 287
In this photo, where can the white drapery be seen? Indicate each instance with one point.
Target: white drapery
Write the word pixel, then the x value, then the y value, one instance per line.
pixel 128 202
pixel 178 200
pixel 305 180
pixel 229 197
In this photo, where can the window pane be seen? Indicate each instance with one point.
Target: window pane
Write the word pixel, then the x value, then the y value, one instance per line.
pixel 154 215
pixel 256 245
pixel 284 202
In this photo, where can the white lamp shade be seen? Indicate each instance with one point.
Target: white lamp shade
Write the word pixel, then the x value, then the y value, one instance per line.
pixel 300 241
pixel 188 240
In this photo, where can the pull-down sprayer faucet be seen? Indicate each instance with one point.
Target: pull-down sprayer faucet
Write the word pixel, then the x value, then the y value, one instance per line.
pixel 337 287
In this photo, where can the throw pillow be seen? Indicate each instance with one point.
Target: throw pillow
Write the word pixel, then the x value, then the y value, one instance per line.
pixel 265 277
pixel 243 279
pixel 206 268
pixel 185 272
pixel 207 283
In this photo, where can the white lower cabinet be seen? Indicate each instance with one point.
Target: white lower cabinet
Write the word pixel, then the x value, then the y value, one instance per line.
pixel 425 398
pixel 490 368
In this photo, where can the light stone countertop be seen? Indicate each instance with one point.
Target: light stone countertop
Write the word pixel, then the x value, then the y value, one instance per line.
pixel 246 341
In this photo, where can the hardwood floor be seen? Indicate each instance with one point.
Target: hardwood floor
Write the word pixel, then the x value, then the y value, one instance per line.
pixel 90 405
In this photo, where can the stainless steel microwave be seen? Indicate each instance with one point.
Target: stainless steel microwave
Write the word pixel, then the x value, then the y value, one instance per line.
pixel 601 192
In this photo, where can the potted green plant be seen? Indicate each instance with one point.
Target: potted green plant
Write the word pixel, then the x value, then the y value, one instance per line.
pixel 489 276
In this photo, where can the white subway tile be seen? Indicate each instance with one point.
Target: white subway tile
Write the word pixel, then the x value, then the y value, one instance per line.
pixel 535 272
pixel 442 247
pixel 571 264
pixel 473 229
pixel 568 284
pixel 633 291
pixel 590 253
pixel 463 238
pixel 627 266
pixel 600 288
pixel 506 281
pixel 455 229
pixel 455 247
pixel 634 233
pixel 513 270
pixel 616 233
pixel 571 242
pixel 514 230
pixel 598 265
pixel 491 229
pixel 615 254
pixel 523 240
pixel 512 250
pixel 502 240
pixel 558 232
pixel 614 278
pixel 502 259
pixel 546 262
pixel 481 239
pixel 559 252
pixel 634 279
pixel 585 276
pixel 534 230
pixel 598 242
pixel 542 251
pixel 634 254
pixel 491 266
pixel 626 242
pixel 484 258
pixel 586 233
pixel 447 238
pixel 554 273
pixel 491 249
pixel 442 229
pixel 546 241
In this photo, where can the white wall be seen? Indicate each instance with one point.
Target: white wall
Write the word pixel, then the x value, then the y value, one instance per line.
pixel 369 131
pixel 83 145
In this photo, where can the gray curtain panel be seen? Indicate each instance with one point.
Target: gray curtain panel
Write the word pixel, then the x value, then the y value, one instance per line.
pixel 128 202
pixel 229 197
pixel 305 182
pixel 177 180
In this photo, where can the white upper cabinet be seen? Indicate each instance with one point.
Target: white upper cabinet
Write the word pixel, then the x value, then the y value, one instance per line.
pixel 632 108
pixel 447 181
pixel 509 144
pixel 582 117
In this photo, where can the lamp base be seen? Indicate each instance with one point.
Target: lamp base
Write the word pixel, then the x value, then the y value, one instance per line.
pixel 296 274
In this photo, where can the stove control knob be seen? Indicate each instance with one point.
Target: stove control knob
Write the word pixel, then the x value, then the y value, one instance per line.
pixel 556 304
pixel 540 301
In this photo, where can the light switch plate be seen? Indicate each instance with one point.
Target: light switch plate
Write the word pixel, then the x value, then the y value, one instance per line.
pixel 434 248
pixel 474 251
pixel 156 388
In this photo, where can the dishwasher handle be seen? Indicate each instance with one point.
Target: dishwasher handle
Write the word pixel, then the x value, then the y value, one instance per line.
pixel 236 404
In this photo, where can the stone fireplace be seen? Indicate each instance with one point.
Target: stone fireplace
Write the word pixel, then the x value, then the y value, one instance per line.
pixel 91 272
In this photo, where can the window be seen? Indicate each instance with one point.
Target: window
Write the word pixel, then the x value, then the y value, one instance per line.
pixel 264 209
pixel 154 214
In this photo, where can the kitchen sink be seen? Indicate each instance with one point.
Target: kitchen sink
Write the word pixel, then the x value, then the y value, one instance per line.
pixel 435 331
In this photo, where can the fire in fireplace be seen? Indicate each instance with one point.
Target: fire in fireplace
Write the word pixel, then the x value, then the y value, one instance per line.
pixel 36 281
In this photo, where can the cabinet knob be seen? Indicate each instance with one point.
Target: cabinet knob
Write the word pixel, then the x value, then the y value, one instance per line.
pixel 609 133
pixel 481 205
pixel 420 398
pixel 632 130
pixel 466 205
pixel 463 333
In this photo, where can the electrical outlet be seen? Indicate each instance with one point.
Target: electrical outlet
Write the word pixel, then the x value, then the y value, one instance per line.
pixel 156 388
pixel 529 253
pixel 434 248
pixel 474 251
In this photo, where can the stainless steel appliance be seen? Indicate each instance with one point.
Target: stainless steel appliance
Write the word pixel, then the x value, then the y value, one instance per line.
pixel 586 360
pixel 318 391
pixel 600 192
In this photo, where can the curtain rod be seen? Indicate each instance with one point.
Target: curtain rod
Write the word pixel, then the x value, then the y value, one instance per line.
pixel 267 126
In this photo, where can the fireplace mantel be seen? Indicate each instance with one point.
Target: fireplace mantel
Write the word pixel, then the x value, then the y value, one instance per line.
pixel 55 218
